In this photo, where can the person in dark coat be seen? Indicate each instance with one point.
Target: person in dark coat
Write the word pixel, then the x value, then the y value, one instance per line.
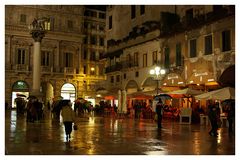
pixel 231 116
pixel 213 115
pixel 159 111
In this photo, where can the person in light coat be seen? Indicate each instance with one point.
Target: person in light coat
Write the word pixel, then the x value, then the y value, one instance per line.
pixel 68 117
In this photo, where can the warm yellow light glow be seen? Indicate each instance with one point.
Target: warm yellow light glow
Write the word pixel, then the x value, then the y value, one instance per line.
pixel 211 84
pixel 162 71
pixel 157 69
pixel 92 69
pixel 152 71
pixel 210 80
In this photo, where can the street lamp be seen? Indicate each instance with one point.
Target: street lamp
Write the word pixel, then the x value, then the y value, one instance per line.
pixel 158 74
pixel 92 70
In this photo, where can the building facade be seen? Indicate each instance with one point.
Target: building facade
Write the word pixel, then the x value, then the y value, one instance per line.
pixel 194 44
pixel 70 51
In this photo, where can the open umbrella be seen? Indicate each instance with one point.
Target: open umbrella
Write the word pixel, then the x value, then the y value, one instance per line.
pixel 162 96
pixel 21 95
pixel 32 97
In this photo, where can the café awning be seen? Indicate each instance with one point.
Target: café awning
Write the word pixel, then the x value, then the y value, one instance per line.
pixel 220 94
pixel 187 91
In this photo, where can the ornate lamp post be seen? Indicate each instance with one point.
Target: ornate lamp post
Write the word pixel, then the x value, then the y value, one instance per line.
pixel 38 29
pixel 157 74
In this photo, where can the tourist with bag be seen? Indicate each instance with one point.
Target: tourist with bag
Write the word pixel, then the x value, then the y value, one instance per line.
pixel 68 117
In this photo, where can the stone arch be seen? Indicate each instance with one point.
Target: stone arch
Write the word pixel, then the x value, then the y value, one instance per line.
pixel 68 91
pixel 19 87
pixel 131 86
pixel 48 91
pixel 149 84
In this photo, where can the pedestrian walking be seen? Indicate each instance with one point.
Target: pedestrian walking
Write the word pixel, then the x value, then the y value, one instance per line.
pixel 231 116
pixel 159 111
pixel 68 117
pixel 213 115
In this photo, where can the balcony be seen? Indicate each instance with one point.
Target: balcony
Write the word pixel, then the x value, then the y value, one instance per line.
pixel 21 68
pixel 113 68
pixel 127 64
pixel 46 69
pixel 69 70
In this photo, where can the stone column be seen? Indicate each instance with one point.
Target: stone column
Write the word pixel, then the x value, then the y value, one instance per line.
pixel 36 67
pixel 37 34
pixel 97 70
pixel 57 55
pixel 8 60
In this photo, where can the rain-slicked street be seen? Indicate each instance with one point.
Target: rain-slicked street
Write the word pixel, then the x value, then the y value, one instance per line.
pixel 113 136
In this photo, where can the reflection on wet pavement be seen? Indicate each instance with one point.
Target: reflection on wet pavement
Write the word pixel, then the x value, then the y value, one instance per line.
pixel 112 136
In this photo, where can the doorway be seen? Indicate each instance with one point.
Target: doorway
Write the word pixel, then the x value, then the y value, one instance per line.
pixel 68 91
pixel 19 89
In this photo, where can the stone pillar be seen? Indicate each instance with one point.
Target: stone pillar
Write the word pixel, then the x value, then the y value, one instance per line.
pixel 119 101
pixel 36 68
pixel 56 58
pixel 8 60
pixel 124 101
pixel 37 32
pixel 97 70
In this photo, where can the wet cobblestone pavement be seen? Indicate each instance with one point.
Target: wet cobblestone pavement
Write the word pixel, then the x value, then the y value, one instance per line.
pixel 113 136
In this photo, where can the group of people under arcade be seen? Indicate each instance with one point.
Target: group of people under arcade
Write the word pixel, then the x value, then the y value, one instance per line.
pixel 142 110
pixel 34 111
pixel 213 112
pixel 33 108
